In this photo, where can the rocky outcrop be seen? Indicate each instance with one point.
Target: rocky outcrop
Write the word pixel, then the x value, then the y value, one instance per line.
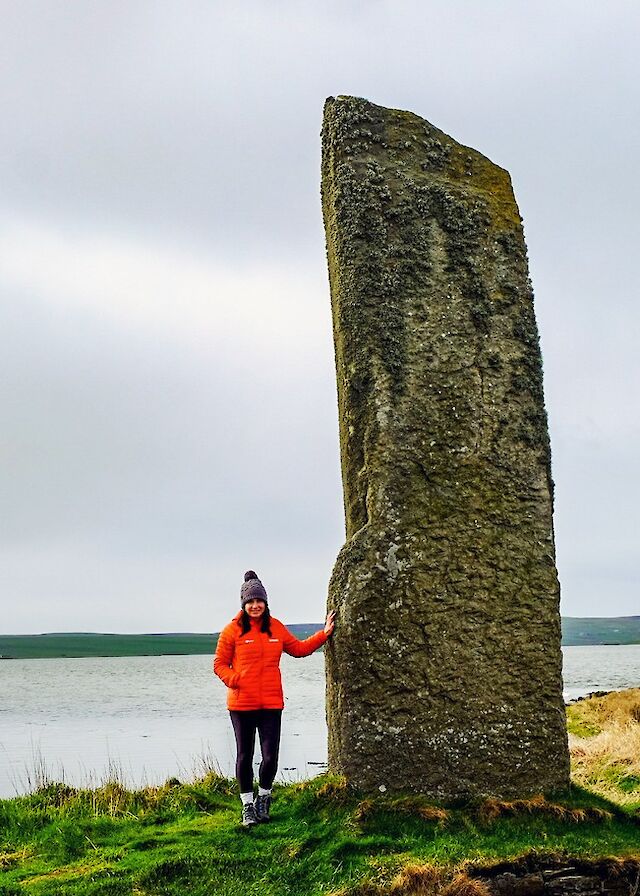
pixel 444 675
pixel 535 876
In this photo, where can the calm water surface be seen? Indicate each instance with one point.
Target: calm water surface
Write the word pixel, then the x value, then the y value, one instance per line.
pixel 154 717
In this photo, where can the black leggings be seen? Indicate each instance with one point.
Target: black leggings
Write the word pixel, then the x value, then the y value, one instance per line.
pixel 267 722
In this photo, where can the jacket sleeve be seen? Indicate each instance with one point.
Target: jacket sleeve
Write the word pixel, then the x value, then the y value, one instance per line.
pixel 294 647
pixel 223 659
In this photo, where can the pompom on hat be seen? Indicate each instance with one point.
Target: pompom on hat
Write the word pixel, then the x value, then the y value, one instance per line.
pixel 252 589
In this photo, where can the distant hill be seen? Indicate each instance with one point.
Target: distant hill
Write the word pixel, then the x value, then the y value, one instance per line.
pixel 78 644
pixel 575 631
pixel 600 630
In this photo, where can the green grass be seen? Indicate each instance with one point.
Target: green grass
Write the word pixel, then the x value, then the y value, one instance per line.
pixel 185 838
pixel 579 726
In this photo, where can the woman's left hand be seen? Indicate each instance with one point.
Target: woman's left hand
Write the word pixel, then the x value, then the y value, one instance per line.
pixel 330 623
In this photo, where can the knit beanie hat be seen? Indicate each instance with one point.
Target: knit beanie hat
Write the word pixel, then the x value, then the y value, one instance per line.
pixel 252 588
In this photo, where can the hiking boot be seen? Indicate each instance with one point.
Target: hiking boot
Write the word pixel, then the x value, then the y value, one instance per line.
pixel 249 815
pixel 263 806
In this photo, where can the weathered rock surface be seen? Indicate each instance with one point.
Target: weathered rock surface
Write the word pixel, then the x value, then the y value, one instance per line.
pixel 444 675
pixel 533 876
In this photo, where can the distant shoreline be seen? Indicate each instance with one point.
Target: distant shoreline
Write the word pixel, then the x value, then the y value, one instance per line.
pixel 60 645
pixel 576 632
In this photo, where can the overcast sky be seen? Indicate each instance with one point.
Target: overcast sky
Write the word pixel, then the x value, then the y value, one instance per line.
pixel 168 392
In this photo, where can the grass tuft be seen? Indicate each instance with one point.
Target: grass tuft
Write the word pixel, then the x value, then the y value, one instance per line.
pixel 334 790
pixel 461 885
pixel 491 809
pixel 415 806
pixel 420 880
pixel 417 879
pixel 12 858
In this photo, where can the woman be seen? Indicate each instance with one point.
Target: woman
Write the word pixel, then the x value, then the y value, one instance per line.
pixel 248 661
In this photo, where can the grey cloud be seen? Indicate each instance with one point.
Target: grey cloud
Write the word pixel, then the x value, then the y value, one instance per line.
pixel 208 123
pixel 199 125
pixel 115 436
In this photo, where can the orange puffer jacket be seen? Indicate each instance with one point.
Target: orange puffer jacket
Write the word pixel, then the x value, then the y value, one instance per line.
pixel 249 664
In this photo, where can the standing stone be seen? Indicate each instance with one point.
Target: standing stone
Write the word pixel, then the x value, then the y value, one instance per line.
pixel 444 675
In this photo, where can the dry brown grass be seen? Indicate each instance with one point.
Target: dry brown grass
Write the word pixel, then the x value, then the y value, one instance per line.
pixel 11 858
pixel 425 880
pixel 604 742
pixel 618 706
pixel 417 879
pixel 421 880
pixel 417 806
pixel 491 809
pixel 461 885
pixel 599 712
pixel 606 758
pixel 609 762
pixel 408 805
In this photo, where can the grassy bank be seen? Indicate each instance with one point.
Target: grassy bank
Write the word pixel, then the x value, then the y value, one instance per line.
pixel 184 838
pixel 604 738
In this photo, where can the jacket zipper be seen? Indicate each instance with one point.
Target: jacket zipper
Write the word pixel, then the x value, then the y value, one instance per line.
pixel 262 637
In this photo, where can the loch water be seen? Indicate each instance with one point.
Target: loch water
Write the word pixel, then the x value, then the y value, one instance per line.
pixel 150 718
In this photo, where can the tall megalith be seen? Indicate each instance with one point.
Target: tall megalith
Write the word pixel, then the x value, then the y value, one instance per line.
pixel 444 675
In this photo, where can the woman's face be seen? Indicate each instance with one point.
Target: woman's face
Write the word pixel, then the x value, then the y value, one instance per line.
pixel 255 607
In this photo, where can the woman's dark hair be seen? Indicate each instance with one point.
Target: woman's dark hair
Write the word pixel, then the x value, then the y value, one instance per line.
pixel 245 621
